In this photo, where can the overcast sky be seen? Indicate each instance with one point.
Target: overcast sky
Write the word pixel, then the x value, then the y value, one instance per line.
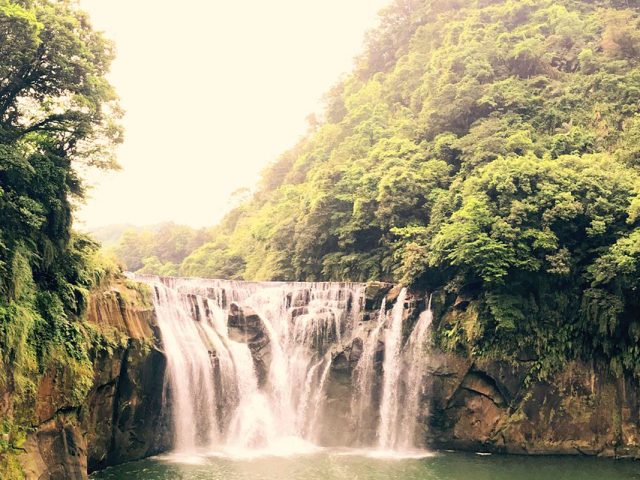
pixel 214 90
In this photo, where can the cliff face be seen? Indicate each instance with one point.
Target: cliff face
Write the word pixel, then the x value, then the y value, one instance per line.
pixel 490 406
pixel 506 406
pixel 495 405
pixel 121 418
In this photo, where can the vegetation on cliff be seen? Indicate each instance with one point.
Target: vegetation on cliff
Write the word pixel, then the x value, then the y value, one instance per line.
pixel 57 113
pixel 487 147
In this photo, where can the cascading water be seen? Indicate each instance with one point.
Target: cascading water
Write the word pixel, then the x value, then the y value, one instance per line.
pixel 364 379
pixel 403 378
pixel 214 386
pixel 190 371
pixel 414 371
pixel 390 392
pixel 248 364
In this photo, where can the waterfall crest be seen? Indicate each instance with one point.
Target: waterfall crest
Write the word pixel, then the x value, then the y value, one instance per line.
pixel 248 364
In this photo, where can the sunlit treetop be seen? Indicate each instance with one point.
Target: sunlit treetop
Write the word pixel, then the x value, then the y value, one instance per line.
pixel 53 88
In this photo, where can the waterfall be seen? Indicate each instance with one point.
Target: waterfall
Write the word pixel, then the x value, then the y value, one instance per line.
pixel 248 364
pixel 213 382
pixel 403 378
pixel 364 378
pixel 190 371
pixel 390 392
pixel 253 424
pixel 415 357
pixel 404 371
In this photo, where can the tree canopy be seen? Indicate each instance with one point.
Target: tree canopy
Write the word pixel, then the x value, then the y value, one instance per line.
pixel 157 249
pixel 488 148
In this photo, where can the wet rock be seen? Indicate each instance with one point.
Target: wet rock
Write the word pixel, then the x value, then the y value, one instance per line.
pixel 356 351
pixel 139 427
pixel 246 326
pixel 462 302
pixel 374 293
pixel 392 294
pixel 477 416
pixel 482 384
pixel 507 377
pixel 341 363
pixel 56 452
pixel 346 359
pixel 297 311
pixel 581 410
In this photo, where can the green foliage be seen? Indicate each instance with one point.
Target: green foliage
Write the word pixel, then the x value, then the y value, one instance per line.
pixel 488 147
pixel 629 146
pixel 10 466
pixel 214 260
pixel 105 339
pixel 158 249
pixel 41 331
pixel 57 113
pixel 443 90
pixel 535 215
pixel 13 436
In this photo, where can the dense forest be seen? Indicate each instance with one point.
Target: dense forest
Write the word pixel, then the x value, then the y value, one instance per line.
pixel 487 148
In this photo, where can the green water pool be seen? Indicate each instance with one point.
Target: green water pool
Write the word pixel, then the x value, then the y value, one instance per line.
pixel 349 465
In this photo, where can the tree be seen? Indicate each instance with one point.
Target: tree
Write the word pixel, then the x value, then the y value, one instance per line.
pixel 56 109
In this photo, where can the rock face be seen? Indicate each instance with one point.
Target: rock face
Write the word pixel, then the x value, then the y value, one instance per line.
pixel 122 417
pixel 468 404
pixel 245 326
pixel 56 451
pixel 493 406
pixel 488 406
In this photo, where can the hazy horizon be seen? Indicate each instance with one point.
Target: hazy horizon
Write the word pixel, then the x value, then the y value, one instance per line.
pixel 242 80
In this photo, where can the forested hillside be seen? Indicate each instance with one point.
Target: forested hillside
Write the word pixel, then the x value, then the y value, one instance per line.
pixel 57 112
pixel 487 147
pixel 155 249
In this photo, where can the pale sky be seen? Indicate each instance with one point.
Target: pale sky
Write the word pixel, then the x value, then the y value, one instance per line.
pixel 214 90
